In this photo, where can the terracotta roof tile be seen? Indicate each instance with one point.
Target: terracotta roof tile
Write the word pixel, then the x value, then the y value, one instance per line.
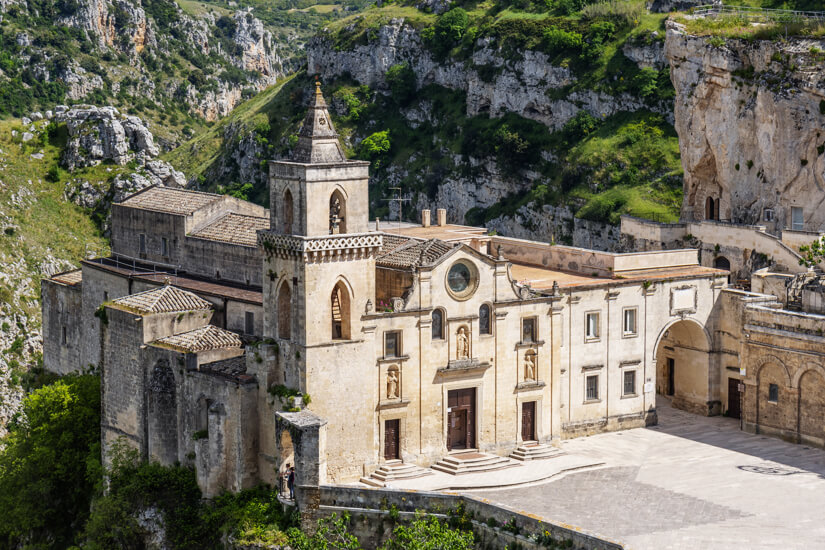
pixel 205 338
pixel 165 299
pixel 234 367
pixel 234 228
pixel 171 200
pixel 414 254
pixel 69 277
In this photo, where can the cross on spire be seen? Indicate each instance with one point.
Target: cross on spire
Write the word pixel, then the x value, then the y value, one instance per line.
pixel 317 141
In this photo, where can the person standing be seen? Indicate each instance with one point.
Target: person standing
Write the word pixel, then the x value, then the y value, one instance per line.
pixel 290 482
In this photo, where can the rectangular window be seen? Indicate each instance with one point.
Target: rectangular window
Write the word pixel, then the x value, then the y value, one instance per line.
pixel 629 382
pixel 249 322
pixel 142 238
pixel 63 335
pixel 797 220
pixel 392 344
pixel 768 215
pixel 591 387
pixel 773 393
pixel 105 295
pixel 591 325
pixel 528 330
pixel 629 322
pixel 164 247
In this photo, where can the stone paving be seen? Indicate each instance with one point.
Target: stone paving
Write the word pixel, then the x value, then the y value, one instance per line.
pixel 690 482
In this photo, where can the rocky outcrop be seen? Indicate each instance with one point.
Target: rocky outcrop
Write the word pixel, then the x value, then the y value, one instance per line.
pixel 103 133
pixel 257 52
pixel 494 84
pixel 557 224
pixel 750 118
pixel 667 6
pixel 646 51
pixel 98 134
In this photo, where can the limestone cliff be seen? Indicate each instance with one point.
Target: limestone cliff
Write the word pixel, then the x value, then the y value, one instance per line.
pixel 751 122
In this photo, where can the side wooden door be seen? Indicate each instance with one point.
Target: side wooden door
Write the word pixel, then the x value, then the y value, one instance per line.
pixel 528 421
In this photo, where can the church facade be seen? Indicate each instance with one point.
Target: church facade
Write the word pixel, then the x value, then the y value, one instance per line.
pixel 356 345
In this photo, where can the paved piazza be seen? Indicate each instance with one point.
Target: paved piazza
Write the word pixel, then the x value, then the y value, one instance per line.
pixel 689 483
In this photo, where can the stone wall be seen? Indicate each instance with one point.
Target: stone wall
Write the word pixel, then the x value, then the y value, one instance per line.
pixel 62 326
pixel 782 350
pixel 371 507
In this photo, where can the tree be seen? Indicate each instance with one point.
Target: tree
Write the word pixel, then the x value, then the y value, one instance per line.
pixel 401 80
pixel 375 146
pixel 428 533
pixel 50 464
pixel 812 254
pixel 448 30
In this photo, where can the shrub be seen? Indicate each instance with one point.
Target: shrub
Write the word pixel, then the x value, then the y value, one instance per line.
pixel 580 125
pixel 401 80
pixel 375 146
pixel 559 39
pixel 645 83
pixel 448 30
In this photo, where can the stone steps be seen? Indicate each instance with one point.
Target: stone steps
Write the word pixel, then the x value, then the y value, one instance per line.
pixel 392 471
pixel 472 463
pixel 535 451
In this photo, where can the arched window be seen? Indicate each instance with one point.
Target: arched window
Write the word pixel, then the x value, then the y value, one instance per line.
pixel 438 324
pixel 484 326
pixel 285 312
pixel 337 213
pixel 288 208
pixel 340 304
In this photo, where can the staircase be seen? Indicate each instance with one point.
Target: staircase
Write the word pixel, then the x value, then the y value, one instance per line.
pixel 532 450
pixel 472 462
pixel 392 471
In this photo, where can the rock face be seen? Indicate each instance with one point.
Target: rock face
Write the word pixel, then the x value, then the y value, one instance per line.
pixel 750 118
pixel 524 86
pixel 98 134
pixel 102 133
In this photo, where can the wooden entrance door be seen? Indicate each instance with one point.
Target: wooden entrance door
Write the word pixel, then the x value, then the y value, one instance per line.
pixel 671 376
pixel 734 398
pixel 391 439
pixel 461 419
pixel 528 421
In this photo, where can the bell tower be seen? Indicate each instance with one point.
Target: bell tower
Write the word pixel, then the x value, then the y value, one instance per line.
pixel 319 258
pixel 318 191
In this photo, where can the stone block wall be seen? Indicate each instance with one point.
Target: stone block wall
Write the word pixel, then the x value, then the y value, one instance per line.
pixel 62 326
pixel 371 508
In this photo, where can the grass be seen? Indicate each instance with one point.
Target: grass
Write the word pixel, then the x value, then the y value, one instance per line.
pixel 46 226
pixel 197 9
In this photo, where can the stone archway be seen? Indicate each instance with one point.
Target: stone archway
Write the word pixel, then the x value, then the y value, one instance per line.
pixel 683 370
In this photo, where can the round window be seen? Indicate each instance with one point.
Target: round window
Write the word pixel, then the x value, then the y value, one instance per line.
pixel 462 279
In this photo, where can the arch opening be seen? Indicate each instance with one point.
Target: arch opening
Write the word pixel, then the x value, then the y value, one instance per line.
pixel 683 367
pixel 285 312
pixel 337 213
pixel 289 213
pixel 340 310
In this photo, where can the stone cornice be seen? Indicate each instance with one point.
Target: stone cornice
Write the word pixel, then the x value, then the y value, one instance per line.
pixel 313 249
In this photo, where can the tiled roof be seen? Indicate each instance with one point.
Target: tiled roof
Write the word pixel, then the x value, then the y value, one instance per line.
pixel 170 200
pixel 201 339
pixel 414 254
pixel 234 228
pixel 234 368
pixel 69 277
pixel 165 299
pixel 390 242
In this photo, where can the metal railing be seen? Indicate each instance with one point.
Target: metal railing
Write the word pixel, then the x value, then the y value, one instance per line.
pixel 759 14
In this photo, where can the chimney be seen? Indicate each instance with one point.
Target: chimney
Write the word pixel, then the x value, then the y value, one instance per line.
pixel 441 215
pixel 425 218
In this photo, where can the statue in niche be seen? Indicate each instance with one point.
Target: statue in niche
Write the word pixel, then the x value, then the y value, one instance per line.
pixel 392 384
pixel 530 367
pixel 334 216
pixel 462 344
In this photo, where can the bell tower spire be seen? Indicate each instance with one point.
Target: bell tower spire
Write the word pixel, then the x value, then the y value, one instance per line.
pixel 317 141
